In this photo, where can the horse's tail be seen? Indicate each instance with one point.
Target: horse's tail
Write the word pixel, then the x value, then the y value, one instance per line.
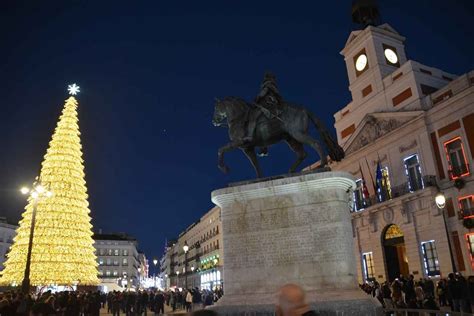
pixel 335 151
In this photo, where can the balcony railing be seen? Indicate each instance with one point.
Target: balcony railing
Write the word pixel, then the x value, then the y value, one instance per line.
pixel 396 191
pixel 458 171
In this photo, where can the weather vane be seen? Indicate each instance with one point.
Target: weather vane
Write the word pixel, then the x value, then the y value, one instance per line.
pixel 73 89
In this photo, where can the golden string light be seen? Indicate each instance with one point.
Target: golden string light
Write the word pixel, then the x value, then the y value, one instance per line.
pixel 63 251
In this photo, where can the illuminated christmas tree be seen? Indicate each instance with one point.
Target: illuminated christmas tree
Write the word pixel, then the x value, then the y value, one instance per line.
pixel 62 248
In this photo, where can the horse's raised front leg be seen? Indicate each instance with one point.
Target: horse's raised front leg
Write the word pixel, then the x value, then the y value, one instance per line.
pixel 220 155
pixel 250 153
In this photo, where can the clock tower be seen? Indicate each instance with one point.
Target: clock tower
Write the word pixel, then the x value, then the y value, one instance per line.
pixel 370 55
pixel 382 81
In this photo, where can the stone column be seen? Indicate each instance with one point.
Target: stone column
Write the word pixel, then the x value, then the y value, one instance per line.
pixel 290 230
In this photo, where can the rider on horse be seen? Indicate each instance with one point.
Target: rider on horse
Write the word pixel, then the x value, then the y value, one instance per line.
pixel 268 102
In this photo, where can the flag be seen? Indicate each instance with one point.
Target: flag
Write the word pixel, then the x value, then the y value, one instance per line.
pixel 371 178
pixel 365 191
pixel 379 183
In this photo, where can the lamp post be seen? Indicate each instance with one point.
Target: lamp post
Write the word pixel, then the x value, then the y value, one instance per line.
pixel 139 277
pixel 177 278
pixel 154 271
pixel 185 248
pixel 37 193
pixel 192 274
pixel 440 200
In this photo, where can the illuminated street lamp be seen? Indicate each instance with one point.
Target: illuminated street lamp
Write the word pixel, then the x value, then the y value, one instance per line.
pixel 39 192
pixel 440 200
pixel 177 281
pixel 185 249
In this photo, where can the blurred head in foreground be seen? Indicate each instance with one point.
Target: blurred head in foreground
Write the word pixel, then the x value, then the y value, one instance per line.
pixel 292 301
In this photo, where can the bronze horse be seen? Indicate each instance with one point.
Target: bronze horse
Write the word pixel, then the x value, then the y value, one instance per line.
pixel 291 126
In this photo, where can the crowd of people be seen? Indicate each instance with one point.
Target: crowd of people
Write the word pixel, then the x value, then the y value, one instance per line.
pixel 75 303
pixel 455 292
pixel 48 303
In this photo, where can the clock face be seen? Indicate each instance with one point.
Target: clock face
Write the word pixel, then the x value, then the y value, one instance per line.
pixel 391 56
pixel 361 62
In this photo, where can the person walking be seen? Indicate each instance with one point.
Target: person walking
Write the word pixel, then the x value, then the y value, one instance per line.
pixel 189 300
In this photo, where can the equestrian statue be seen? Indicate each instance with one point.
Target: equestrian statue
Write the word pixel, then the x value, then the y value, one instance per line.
pixel 267 121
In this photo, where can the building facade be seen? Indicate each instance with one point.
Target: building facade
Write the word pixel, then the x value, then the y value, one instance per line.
pixel 202 263
pixel 119 262
pixel 7 233
pixel 408 134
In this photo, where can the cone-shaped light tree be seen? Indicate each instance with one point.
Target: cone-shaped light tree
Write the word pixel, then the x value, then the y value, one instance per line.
pixel 62 250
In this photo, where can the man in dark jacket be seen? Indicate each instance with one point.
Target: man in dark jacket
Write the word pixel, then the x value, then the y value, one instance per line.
pixel 454 290
pixel 159 303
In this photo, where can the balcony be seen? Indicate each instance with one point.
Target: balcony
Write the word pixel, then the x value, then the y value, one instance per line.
pixel 396 191
pixel 458 171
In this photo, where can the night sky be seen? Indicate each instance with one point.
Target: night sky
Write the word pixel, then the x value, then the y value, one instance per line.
pixel 149 73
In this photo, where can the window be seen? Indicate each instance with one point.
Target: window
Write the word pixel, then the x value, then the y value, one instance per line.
pixel 109 261
pixel 430 258
pixel 466 207
pixel 107 273
pixel 125 252
pixel 101 261
pixel 125 262
pixel 109 252
pixel 413 172
pixel 457 161
pixel 101 273
pixel 116 262
pixel 116 252
pixel 102 252
pixel 368 265
pixel 470 244
pixel 115 273
pixel 359 201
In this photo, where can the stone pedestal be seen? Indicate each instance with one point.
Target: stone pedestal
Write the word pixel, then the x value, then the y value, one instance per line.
pixel 290 230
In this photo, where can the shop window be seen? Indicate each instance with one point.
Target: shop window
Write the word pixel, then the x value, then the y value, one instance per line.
pixel 430 258
pixel 413 173
pixel 466 207
pixel 457 162
pixel 368 265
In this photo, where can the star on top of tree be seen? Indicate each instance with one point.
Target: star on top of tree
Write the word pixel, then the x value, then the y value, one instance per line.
pixel 73 89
